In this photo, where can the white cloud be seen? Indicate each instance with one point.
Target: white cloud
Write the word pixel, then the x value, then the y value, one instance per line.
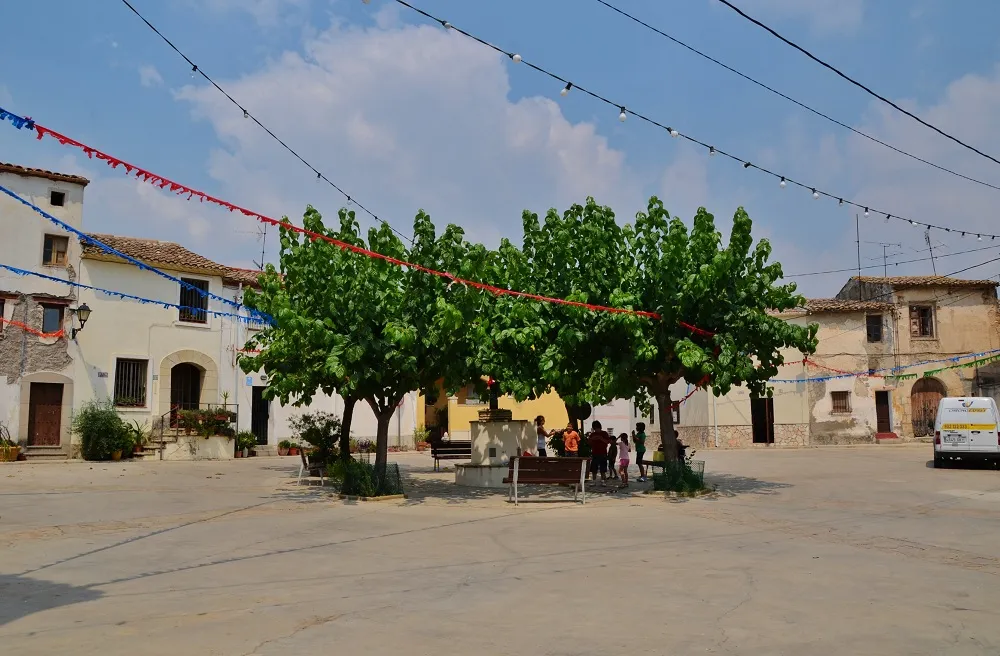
pixel 149 76
pixel 823 16
pixel 265 12
pixel 407 118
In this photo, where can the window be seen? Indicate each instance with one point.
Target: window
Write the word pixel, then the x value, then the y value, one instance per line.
pixel 841 402
pixel 52 318
pixel 54 250
pixel 921 321
pixel 130 383
pixel 472 396
pixel 195 303
pixel 873 322
pixel 57 198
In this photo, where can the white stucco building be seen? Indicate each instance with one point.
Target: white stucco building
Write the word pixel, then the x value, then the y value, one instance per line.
pixel 148 358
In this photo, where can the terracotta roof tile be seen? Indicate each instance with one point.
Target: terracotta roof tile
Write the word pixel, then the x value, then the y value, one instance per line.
pixel 166 255
pixel 815 305
pixel 902 282
pixel 42 173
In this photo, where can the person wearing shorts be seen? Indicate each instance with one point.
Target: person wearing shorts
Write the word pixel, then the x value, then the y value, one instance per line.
pixel 623 459
pixel 598 441
pixel 639 437
pixel 542 435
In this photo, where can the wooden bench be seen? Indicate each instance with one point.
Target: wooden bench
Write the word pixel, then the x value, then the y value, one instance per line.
pixel 311 468
pixel 450 450
pixel 549 471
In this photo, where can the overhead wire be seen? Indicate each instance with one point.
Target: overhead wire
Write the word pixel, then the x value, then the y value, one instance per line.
pixel 861 86
pixel 626 111
pixel 793 100
pixel 195 69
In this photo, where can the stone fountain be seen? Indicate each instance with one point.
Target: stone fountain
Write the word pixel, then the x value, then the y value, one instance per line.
pixel 496 437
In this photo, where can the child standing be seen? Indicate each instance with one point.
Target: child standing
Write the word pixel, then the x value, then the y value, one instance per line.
pixel 571 441
pixel 623 458
pixel 639 437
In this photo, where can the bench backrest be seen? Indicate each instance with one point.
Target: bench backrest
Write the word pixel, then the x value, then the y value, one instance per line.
pixel 548 470
pixel 451 448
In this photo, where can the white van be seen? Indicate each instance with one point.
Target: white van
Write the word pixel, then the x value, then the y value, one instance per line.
pixel 967 429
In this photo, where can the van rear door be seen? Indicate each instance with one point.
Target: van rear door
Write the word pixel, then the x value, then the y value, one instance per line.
pixel 982 425
pixel 955 425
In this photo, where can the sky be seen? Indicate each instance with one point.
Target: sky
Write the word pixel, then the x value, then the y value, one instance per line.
pixel 405 115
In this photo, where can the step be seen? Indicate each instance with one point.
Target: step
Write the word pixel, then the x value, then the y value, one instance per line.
pixel 887 438
pixel 38 453
pixel 266 450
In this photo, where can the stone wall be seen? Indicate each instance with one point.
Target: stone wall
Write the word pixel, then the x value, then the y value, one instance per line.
pixel 741 437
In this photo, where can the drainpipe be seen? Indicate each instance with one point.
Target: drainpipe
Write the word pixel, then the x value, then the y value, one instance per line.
pixel 715 420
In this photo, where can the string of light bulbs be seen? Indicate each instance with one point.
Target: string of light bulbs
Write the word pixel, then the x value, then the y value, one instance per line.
pixel 861 86
pixel 879 266
pixel 624 112
pixel 133 297
pixel 792 100
pixel 197 70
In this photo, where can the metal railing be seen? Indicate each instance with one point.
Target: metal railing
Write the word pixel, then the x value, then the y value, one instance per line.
pixel 204 419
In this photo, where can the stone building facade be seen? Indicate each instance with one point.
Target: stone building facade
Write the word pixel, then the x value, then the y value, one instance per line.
pixel 912 324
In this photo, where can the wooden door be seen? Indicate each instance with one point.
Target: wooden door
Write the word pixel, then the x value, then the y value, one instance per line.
pixel 882 412
pixel 924 398
pixel 44 414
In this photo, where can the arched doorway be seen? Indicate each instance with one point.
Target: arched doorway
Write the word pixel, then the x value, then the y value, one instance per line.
pixel 924 398
pixel 185 386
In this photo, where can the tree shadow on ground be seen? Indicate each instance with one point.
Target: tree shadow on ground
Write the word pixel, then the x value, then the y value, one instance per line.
pixel 422 489
pixel 730 485
pixel 21 596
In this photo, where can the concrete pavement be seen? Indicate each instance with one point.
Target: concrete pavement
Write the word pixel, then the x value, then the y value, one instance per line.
pixel 811 551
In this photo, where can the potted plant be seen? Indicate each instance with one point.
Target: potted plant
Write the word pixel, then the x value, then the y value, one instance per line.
pixel 245 441
pixel 283 447
pixel 139 435
pixel 9 450
pixel 421 438
pixel 293 449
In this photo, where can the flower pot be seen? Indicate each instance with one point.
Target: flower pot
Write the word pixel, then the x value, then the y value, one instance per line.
pixel 246 453
pixel 116 455
pixel 282 452
pixel 238 454
pixel 10 453
pixel 137 448
pixel 293 451
pixel 253 453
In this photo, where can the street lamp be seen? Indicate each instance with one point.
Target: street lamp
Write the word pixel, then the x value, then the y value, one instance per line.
pixel 82 313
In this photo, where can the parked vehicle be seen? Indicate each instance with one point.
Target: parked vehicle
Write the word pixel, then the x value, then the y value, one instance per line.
pixel 966 429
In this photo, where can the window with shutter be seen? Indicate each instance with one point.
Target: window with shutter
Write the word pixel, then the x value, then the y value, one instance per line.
pixel 921 321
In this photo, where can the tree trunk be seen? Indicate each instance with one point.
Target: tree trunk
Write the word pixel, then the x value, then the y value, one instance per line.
pixel 383 415
pixel 666 417
pixel 345 428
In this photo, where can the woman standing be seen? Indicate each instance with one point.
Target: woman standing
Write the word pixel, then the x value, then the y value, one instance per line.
pixel 542 435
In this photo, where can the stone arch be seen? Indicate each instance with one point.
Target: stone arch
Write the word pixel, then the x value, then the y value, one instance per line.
pixel 208 383
pixel 924 398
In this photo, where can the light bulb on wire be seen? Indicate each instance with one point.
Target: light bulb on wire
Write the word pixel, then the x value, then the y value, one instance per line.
pixel 782 184
pixel 194 70
pixel 912 222
pixel 623 115
pixel 815 194
pixel 565 89
pixel 246 114
pixel 711 151
pixel 979 237
pixel 516 58
pixel 673 133
pixel 866 211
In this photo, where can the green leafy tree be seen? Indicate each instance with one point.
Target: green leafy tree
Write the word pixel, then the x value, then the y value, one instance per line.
pixel 362 326
pixel 534 347
pixel 717 305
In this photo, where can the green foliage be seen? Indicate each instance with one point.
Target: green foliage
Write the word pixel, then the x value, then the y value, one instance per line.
pixel 684 477
pixel 362 326
pixel 421 434
pixel 284 444
pixel 101 430
pixel 245 440
pixel 138 434
pixel 319 429
pixel 361 479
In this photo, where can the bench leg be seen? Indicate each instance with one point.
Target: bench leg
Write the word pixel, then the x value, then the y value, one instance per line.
pixel 576 492
pixel 301 467
pixel 515 494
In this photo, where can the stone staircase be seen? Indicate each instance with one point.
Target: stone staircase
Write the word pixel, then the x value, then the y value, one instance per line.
pixel 45 454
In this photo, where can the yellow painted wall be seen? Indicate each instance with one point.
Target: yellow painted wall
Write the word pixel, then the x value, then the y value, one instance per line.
pixel 462 411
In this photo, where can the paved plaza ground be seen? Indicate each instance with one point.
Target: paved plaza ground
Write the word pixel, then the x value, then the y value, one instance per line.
pixel 814 551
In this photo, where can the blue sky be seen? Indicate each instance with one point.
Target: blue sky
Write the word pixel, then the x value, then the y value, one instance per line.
pixel 405 115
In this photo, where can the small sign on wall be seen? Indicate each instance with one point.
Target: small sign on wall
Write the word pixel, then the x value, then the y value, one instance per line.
pixel 102 374
pixel 249 381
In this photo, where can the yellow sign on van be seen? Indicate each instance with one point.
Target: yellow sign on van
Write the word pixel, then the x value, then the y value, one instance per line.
pixel 986 427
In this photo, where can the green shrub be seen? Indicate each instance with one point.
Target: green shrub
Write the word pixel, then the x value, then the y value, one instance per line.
pixel 245 440
pixel 683 477
pixel 284 444
pixel 321 430
pixel 357 478
pixel 101 430
pixel 558 447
